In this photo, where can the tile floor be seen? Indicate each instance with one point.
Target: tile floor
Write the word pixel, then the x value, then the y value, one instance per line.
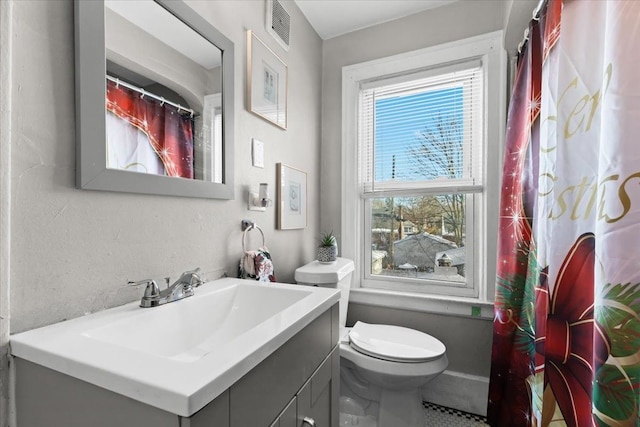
pixel 440 416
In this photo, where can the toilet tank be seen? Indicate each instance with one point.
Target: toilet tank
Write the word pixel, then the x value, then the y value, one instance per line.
pixel 333 275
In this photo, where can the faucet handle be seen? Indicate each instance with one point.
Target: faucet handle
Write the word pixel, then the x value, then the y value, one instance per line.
pixel 194 277
pixel 151 291
pixel 195 271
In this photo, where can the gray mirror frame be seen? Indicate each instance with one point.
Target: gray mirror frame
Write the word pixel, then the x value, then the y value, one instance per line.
pixel 90 69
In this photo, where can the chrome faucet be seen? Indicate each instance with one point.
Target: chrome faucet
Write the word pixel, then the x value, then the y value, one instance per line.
pixel 182 288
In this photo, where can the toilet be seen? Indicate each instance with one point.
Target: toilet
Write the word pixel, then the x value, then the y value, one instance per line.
pixel 382 367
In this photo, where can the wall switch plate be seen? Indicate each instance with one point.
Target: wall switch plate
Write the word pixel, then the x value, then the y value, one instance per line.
pixel 257 153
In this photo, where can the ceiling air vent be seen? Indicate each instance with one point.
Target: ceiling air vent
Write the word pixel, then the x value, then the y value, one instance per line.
pixel 278 22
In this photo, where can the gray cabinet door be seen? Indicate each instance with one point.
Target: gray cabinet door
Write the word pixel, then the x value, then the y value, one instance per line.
pixel 317 398
pixel 258 397
pixel 288 417
pixel 47 398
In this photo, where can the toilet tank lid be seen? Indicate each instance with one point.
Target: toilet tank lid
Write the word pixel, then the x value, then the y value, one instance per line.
pixel 317 273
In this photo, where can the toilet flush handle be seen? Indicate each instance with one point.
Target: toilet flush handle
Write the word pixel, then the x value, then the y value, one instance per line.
pixel 309 420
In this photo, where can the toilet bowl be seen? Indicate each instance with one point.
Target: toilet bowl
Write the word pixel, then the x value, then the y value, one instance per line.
pixel 382 367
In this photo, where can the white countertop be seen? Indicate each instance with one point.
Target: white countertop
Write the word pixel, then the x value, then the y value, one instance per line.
pixel 180 382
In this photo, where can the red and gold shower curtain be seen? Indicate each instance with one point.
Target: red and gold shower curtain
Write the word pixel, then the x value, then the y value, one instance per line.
pixel 566 344
pixel 167 135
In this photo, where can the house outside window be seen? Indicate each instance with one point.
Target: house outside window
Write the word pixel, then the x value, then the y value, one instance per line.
pixel 425 131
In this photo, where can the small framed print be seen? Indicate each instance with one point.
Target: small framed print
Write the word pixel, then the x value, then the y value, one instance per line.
pixel 266 82
pixel 291 197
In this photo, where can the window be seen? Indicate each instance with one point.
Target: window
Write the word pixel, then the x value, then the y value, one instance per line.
pixel 421 206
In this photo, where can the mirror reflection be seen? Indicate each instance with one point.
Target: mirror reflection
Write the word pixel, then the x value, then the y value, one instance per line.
pixel 163 98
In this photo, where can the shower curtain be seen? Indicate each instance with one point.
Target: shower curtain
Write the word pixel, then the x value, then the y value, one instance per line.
pixel 143 135
pixel 566 342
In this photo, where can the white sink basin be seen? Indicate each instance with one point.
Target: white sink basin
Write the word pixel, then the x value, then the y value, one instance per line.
pixel 210 321
pixel 179 356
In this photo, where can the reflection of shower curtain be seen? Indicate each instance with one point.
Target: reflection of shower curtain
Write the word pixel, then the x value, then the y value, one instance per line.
pixel 566 343
pixel 160 140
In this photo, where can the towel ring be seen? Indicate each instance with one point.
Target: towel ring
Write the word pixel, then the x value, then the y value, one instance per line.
pixel 250 227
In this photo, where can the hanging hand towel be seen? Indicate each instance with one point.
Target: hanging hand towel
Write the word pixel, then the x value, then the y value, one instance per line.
pixel 257 265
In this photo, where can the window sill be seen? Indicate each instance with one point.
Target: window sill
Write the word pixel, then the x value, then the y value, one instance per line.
pixel 452 306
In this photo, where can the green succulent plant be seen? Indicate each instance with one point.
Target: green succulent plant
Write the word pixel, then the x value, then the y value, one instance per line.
pixel 328 239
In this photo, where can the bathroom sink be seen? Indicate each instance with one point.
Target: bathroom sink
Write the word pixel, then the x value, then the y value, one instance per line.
pixel 178 356
pixel 212 320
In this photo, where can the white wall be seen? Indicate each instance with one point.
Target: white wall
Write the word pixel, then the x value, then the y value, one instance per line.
pixel 6 29
pixel 73 251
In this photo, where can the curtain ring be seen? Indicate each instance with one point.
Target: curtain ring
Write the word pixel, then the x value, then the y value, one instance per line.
pixel 162 101
pixel 536 14
pixel 117 82
pixel 525 39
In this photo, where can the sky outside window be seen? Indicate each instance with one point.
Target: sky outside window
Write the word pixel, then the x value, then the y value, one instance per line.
pixel 399 121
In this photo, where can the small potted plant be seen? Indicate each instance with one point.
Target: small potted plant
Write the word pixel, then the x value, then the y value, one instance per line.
pixel 328 248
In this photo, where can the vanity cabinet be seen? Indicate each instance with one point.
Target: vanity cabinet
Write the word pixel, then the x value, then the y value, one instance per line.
pixel 300 379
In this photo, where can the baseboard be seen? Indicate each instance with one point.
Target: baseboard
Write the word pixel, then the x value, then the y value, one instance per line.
pixel 464 392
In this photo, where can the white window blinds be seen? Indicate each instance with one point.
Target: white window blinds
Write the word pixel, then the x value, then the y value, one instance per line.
pixel 422 132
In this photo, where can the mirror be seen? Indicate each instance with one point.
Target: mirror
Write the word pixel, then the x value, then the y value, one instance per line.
pixel 154 100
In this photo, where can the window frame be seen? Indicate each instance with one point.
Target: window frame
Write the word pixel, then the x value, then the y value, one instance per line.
pixel 488 48
pixel 405 85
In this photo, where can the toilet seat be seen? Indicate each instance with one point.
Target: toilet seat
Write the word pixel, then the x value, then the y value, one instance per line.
pixel 395 343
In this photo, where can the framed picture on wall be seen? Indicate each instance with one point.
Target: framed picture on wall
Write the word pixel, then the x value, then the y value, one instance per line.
pixel 291 197
pixel 266 82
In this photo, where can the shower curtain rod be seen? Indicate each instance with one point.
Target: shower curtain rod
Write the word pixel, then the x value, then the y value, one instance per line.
pixel 536 16
pixel 536 11
pixel 144 93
